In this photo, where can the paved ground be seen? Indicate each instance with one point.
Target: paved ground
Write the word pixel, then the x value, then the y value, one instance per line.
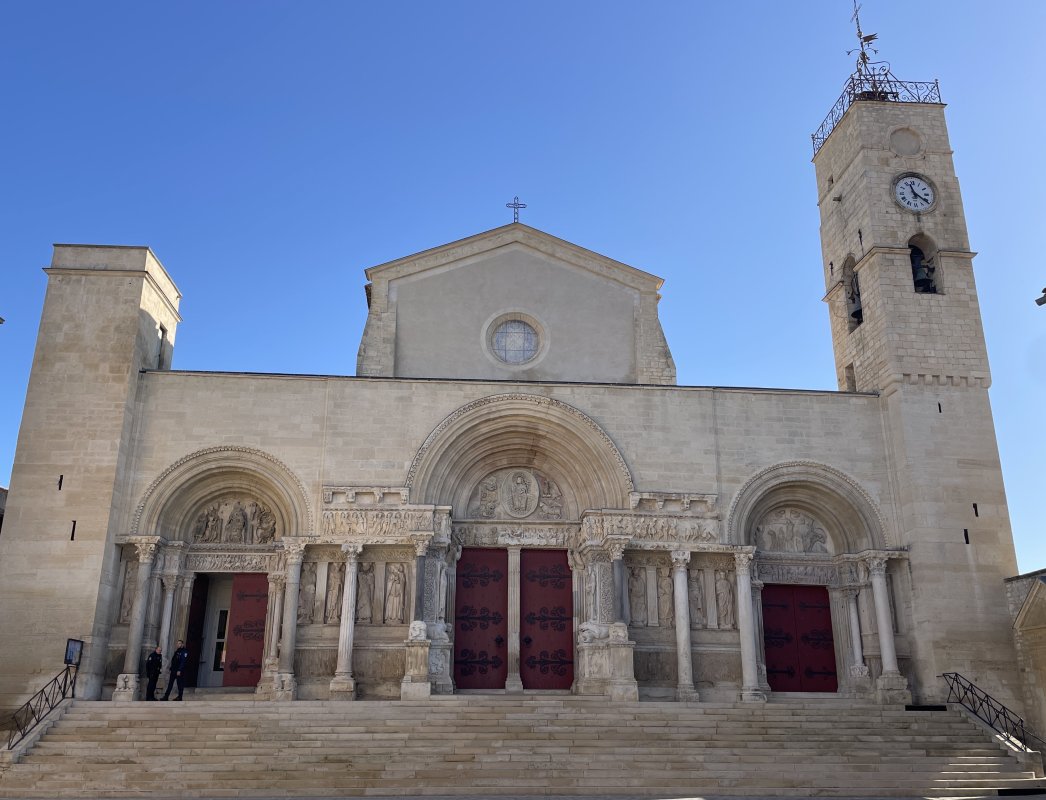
pixel 570 797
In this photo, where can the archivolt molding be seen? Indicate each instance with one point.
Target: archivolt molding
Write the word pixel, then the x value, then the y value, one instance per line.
pixel 541 408
pixel 835 483
pixel 232 457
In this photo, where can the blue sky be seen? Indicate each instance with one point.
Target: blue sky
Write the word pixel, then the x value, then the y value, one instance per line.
pixel 268 152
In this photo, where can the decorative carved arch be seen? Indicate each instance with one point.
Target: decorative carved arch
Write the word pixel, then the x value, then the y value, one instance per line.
pixel 188 482
pixel 524 430
pixel 849 514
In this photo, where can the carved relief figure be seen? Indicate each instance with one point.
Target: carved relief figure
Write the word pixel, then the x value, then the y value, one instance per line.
pixel 789 530
pixel 488 497
pixel 130 584
pixel 252 510
pixel 520 493
pixel 665 601
pixel 551 502
pixel 365 593
pixel 266 530
pixel 696 590
pixel 395 592
pixel 441 595
pixel 307 593
pixel 637 594
pixel 724 598
pixel 335 589
pixel 213 528
pixel 236 527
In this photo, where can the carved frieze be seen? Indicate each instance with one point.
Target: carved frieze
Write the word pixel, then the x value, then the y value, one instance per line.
pixel 516 493
pixel 367 495
pixel 789 530
pixel 377 526
pixel 490 535
pixel 777 572
pixel 648 529
pixel 235 519
pixel 700 505
pixel 231 562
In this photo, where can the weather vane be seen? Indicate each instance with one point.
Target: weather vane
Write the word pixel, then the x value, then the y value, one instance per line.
pixel 515 205
pixel 863 61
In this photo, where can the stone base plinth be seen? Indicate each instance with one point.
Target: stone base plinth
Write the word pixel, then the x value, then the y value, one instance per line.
pixel 752 695
pixel 127 688
pixel 440 655
pixel 416 684
pixel 284 686
pixel 343 687
pixel 892 687
pixel 687 694
pixel 605 666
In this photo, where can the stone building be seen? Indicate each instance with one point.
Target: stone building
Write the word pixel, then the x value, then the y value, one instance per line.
pixel 513 494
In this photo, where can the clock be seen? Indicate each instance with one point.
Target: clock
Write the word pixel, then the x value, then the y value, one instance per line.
pixel 914 192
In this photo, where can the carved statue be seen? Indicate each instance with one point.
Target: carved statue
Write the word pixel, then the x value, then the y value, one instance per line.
pixel 130 584
pixel 637 594
pixel 551 502
pixel 236 526
pixel 441 594
pixel 665 600
pixel 335 590
pixel 697 598
pixel 724 598
pixel 307 593
pixel 365 593
pixel 395 592
pixel 589 632
pixel 252 510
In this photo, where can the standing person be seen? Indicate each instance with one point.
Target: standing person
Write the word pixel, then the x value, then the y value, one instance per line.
pixel 153 668
pixel 177 670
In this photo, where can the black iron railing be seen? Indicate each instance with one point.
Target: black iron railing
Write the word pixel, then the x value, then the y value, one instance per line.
pixel 41 704
pixel 990 711
pixel 875 84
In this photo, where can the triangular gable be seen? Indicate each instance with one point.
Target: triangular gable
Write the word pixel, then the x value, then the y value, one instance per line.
pixel 516 233
pixel 1033 610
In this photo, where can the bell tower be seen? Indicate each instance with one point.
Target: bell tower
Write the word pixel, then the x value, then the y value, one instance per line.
pixel 905 323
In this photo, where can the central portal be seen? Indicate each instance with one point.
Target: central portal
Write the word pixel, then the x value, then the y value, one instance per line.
pixel 486 635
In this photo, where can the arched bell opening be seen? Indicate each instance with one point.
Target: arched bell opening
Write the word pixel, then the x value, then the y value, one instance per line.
pixel 922 253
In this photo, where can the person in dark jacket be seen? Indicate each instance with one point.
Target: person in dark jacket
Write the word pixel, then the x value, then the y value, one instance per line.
pixel 153 668
pixel 177 670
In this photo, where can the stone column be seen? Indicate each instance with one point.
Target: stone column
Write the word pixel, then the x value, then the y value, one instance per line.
pixel 286 687
pixel 513 682
pixel 684 658
pixel 891 686
pixel 343 686
pixel 416 684
pixel 750 690
pixel 127 682
pixel 760 642
pixel 169 583
pixel 858 669
pixel 616 549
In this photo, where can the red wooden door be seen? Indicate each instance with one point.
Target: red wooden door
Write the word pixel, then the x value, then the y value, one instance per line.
pixel 797 638
pixel 246 632
pixel 481 619
pixel 546 627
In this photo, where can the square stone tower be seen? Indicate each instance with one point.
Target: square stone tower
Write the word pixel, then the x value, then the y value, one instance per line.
pixel 906 324
pixel 109 313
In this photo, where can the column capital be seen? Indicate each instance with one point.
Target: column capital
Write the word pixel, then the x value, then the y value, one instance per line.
pixel 147 547
pixel 849 591
pixel 743 562
pixel 352 552
pixel 876 564
pixel 680 559
pixel 277 580
pixel 169 581
pixel 419 540
pixel 615 546
pixel 294 549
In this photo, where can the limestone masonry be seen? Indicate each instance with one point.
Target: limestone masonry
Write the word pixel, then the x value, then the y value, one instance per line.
pixel 514 495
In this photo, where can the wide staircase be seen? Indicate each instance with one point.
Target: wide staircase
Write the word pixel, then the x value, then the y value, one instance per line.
pixel 503 745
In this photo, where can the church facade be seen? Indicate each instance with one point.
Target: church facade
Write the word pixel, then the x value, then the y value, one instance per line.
pixel 513 494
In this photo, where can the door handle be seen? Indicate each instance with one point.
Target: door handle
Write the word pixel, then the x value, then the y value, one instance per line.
pixel 528 641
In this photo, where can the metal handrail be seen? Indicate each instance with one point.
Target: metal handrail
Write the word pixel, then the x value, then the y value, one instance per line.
pixel 990 711
pixel 875 84
pixel 41 704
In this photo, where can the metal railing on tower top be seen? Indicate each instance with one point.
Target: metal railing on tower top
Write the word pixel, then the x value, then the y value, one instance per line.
pixel 875 84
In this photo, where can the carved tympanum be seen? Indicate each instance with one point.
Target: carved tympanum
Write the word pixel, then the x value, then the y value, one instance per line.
pixel 516 493
pixel 789 530
pixel 235 520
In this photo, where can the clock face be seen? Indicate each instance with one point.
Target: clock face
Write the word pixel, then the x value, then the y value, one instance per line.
pixel 914 193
